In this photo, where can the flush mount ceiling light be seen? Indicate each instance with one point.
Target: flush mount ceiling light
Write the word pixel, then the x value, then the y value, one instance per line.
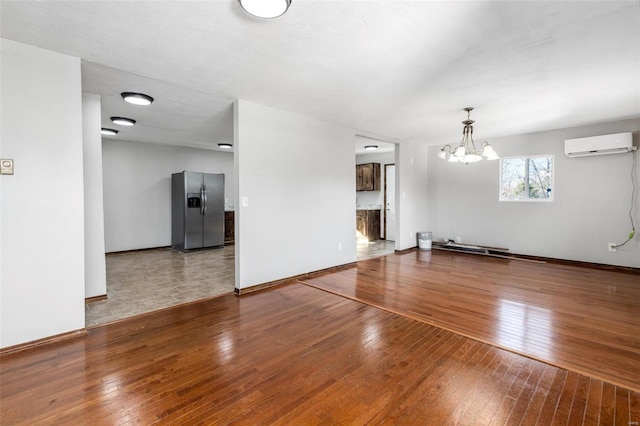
pixel 225 145
pixel 265 9
pixel 110 132
pixel 122 121
pixel 371 147
pixel 466 152
pixel 136 98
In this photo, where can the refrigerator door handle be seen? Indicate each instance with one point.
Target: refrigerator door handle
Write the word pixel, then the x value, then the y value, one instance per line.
pixel 205 199
pixel 202 200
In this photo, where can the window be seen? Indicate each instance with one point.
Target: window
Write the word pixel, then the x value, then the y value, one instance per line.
pixel 526 178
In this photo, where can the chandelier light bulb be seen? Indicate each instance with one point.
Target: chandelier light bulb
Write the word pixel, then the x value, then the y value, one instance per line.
pixel 489 153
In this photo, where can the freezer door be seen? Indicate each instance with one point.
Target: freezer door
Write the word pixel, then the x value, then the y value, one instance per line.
pixel 194 206
pixel 213 211
pixel 178 197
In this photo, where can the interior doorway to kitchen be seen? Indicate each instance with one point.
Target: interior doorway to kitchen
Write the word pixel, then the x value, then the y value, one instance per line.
pixel 375 160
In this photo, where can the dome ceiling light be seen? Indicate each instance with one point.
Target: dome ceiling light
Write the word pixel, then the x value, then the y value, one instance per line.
pixel 225 145
pixel 123 121
pixel 370 147
pixel 265 9
pixel 136 98
pixel 109 132
pixel 466 152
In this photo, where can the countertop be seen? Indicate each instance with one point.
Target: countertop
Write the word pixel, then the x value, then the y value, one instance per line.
pixel 368 207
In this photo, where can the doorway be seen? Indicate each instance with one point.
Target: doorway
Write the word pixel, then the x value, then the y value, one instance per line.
pixel 390 202
pixel 375 189
pixel 143 273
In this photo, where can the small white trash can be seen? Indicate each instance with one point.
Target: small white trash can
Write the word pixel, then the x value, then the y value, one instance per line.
pixel 424 240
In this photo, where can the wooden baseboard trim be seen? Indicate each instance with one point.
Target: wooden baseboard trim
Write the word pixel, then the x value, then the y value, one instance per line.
pixel 95 298
pixel 330 269
pixel 589 265
pixel 115 253
pixel 265 286
pixel 137 250
pixel 44 341
pixel 405 251
pixel 291 280
pixel 553 260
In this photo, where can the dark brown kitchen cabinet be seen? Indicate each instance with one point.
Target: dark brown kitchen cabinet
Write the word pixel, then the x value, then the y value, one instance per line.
pixel 368 223
pixel 368 177
pixel 229 227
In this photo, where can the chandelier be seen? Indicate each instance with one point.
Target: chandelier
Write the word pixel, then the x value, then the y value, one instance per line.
pixel 466 152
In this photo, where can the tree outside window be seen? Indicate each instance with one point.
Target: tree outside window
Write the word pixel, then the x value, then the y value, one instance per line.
pixel 526 178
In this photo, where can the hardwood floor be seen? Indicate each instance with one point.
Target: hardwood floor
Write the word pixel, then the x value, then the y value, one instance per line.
pixel 295 354
pixel 584 320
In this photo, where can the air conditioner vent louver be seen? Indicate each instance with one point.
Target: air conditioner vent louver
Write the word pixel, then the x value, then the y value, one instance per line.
pixel 617 143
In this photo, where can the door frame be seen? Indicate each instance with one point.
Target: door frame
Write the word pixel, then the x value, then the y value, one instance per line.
pixel 384 206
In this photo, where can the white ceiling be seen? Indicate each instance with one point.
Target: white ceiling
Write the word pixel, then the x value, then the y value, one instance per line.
pixel 382 145
pixel 400 70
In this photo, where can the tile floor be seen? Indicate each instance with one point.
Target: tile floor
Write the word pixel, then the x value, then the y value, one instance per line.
pixel 147 280
pixel 367 249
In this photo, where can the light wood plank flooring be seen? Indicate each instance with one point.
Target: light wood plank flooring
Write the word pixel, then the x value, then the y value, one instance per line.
pixel 294 355
pixel 584 320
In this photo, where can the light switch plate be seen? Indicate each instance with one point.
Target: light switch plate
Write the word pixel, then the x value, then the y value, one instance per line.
pixel 6 166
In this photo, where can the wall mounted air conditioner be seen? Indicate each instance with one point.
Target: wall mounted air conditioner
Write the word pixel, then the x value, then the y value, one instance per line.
pixel 599 145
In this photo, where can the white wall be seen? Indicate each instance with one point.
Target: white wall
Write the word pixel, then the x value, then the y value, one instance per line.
pixel 95 282
pixel 297 174
pixel 42 214
pixel 411 193
pixel 590 208
pixel 137 189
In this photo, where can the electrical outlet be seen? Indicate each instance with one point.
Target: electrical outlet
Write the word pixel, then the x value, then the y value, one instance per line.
pixel 611 246
pixel 339 246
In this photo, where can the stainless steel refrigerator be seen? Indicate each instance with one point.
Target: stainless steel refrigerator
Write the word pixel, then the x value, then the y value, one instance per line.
pixel 197 210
